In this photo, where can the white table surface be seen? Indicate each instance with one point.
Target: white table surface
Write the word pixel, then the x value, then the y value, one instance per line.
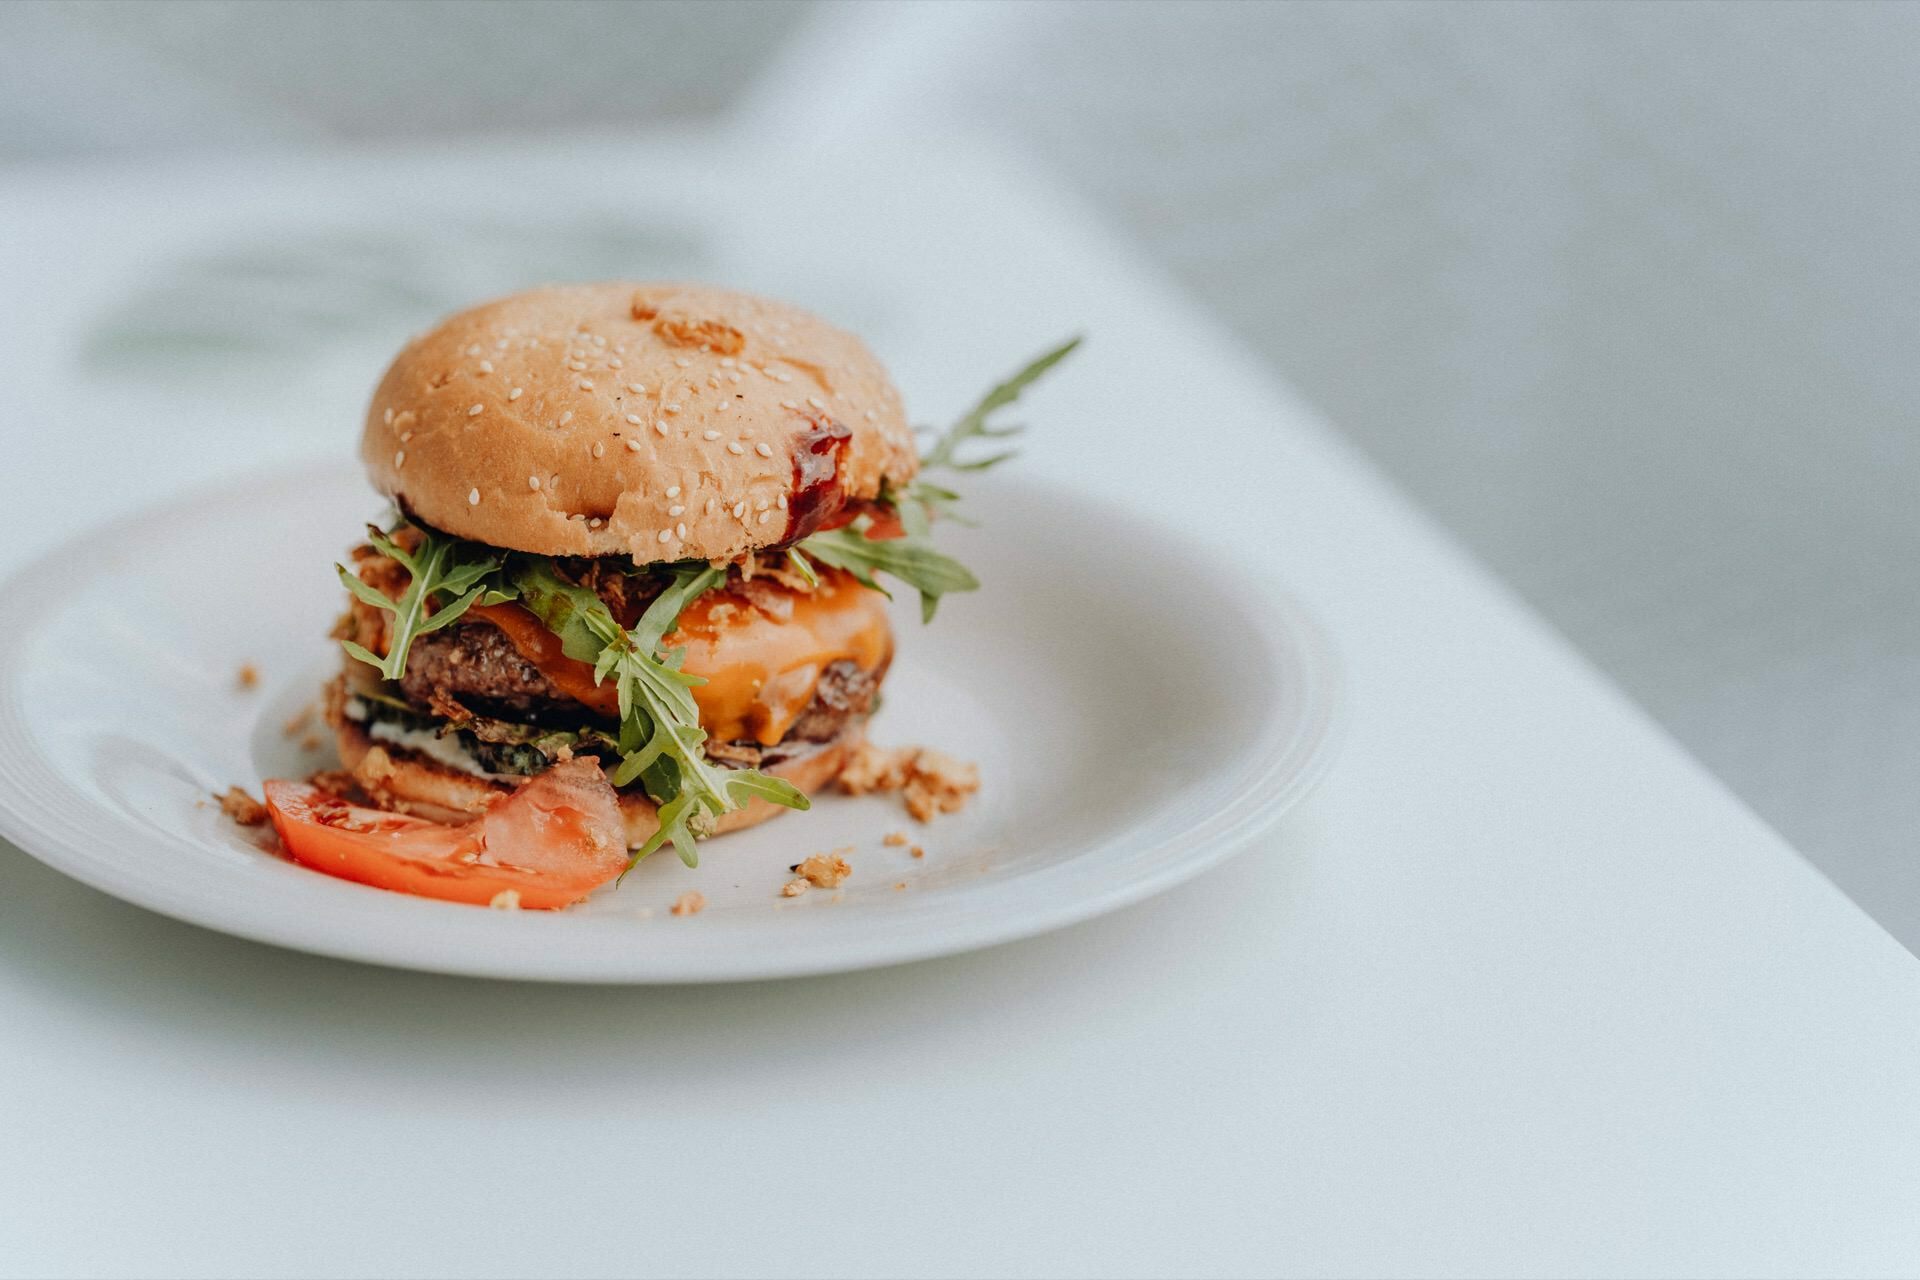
pixel 1522 990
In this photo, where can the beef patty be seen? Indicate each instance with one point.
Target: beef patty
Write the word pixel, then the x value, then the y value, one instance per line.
pixel 473 665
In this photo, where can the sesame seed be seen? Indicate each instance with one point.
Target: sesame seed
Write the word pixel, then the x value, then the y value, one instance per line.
pixel 566 417
pixel 599 449
pixel 710 435
pixel 660 426
pixel 764 449
pixel 723 406
pixel 387 417
pixel 683 362
pixel 761 505
pixel 665 534
pixel 516 393
pixel 399 459
pixel 599 340
pixel 816 402
pixel 474 350
pixel 586 384
pixel 533 482
pixel 872 416
pixel 405 436
pixel 633 444
pixel 783 376
pixel 709 507
pixel 615 362
pixel 739 510
pixel 680 530
pixel 634 418
pixel 733 446
pixel 789 404
pixel 677 509
pixel 726 362
pixel 578 366
pixel 765 516
pixel 473 497
pixel 671 406
pixel 781 502
pixel 595 523
pixel 734 376
pixel 486 366
pixel 638 388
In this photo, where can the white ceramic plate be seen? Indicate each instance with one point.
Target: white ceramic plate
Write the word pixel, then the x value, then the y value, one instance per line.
pixel 1124 746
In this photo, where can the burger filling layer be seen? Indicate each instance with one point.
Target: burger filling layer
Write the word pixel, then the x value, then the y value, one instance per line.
pixel 786 665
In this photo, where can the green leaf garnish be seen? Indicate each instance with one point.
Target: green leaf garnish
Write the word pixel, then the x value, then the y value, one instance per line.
pixel 975 425
pixel 661 743
pixel 911 559
pixel 445 577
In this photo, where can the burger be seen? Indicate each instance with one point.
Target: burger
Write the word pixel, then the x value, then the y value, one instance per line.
pixel 633 591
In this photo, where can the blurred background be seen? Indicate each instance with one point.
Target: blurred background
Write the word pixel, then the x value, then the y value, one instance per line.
pixel 1623 294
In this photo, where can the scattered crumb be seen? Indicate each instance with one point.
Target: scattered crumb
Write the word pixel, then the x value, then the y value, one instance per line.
pixel 901 885
pixel 825 870
pixel 310 743
pixel 894 839
pixel 242 808
pixel 929 781
pixel 297 721
pixel 689 903
pixel 248 676
pixel 505 900
pixel 795 887
pixel 917 852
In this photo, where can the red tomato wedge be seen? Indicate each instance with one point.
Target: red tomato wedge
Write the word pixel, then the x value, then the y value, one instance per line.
pixel 554 841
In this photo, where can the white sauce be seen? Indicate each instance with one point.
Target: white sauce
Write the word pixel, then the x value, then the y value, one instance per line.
pixel 447 751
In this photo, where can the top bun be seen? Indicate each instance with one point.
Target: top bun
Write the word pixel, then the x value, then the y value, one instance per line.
pixel 656 421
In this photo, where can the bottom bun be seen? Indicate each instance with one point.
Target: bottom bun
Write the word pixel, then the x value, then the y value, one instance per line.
pixel 408 782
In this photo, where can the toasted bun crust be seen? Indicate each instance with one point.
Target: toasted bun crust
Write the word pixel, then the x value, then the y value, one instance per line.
pixel 411 783
pixel 517 423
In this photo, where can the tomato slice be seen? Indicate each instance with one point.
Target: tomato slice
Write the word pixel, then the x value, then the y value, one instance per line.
pixel 554 841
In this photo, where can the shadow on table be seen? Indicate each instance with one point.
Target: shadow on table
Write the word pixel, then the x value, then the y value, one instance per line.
pixel 158 980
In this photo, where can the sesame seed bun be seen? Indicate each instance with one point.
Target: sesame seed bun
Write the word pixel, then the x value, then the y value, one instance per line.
pixel 518 423
pixel 409 782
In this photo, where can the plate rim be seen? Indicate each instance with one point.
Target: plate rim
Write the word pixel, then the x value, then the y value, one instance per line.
pixel 1261 800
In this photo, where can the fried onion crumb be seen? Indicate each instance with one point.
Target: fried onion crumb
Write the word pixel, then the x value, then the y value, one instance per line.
pixel 248 677
pixel 917 851
pixel 894 839
pixel 795 887
pixel 929 781
pixel 824 870
pixel 242 808
pixel 689 903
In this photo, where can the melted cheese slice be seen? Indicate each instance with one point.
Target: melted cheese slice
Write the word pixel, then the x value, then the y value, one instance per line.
pixel 762 665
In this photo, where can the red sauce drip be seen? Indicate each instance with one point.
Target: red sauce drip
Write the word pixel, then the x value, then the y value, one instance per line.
pixel 817 496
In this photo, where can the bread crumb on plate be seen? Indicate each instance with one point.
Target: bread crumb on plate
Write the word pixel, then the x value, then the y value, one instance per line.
pixel 824 870
pixel 242 808
pixel 929 781
pixel 248 676
pixel 689 903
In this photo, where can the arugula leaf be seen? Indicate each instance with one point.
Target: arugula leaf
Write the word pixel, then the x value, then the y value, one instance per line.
pixel 974 425
pixel 911 559
pixel 661 743
pixel 445 574
pixel 922 501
